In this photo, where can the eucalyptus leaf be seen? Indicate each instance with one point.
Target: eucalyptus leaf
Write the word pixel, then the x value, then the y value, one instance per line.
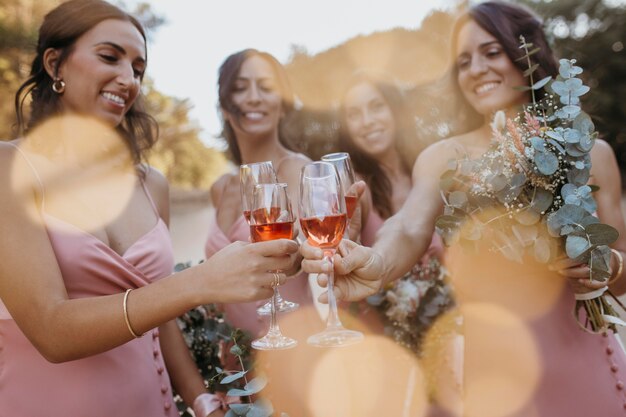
pixel 567 214
pixel 542 200
pixel 557 145
pixel 600 263
pixel 230 413
pixel 586 143
pixel 527 217
pixel 583 124
pixel 571 135
pixel 525 235
pixel 542 250
pixel 530 70
pixel 236 350
pixel 572 150
pixel 240 409
pixel 261 408
pixel 539 84
pixel 233 377
pixel 576 245
pixel 547 163
pixel 256 385
pixel 601 234
pixel 578 176
pixel 539 144
pixel 457 199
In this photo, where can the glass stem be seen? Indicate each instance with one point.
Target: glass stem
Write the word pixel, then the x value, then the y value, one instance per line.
pixel 333 316
pixel 274 329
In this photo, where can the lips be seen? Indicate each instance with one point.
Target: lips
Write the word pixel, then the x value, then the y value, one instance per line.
pixel 485 88
pixel 373 134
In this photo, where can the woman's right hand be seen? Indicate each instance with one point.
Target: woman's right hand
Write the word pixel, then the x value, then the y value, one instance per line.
pixel 239 272
pixel 358 270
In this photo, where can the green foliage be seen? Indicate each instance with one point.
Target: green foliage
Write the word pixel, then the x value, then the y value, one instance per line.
pixel 536 171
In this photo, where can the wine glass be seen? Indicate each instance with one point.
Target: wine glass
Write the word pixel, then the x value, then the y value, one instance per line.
pixel 343 165
pixel 323 220
pixel 271 218
pixel 249 176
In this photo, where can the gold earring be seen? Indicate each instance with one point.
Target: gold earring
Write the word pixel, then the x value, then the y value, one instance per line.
pixel 58 86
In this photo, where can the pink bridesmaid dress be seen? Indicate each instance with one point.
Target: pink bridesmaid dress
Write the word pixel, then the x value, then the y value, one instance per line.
pixel 127 381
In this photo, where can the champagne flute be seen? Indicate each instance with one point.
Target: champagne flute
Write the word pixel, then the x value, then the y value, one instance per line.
pixel 271 218
pixel 249 176
pixel 323 220
pixel 343 165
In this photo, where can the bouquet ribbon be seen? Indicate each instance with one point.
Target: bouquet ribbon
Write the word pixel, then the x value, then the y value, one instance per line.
pixel 588 297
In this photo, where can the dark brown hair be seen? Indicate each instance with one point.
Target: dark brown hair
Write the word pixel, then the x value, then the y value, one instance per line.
pixel 61 29
pixel 507 22
pixel 228 73
pixel 373 175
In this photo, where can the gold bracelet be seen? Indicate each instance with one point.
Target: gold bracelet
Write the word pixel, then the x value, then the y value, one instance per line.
pixel 130 329
pixel 620 267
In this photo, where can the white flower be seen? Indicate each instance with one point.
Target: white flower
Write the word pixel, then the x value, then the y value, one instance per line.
pixel 499 121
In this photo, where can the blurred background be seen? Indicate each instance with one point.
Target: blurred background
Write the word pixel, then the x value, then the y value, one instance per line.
pixel 190 155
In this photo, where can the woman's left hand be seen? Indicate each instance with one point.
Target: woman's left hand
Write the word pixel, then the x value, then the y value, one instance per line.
pixel 577 274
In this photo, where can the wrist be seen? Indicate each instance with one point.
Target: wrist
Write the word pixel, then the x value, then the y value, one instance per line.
pixel 617 267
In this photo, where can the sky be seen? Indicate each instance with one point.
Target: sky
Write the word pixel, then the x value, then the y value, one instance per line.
pixel 185 53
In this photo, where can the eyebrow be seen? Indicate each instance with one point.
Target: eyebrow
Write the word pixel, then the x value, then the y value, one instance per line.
pixel 119 49
pixel 481 46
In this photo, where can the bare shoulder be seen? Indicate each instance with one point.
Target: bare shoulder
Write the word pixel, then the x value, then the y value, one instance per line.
pixel 601 151
pixel 293 163
pixel 436 156
pixel 156 182
pixel 218 187
pixel 604 166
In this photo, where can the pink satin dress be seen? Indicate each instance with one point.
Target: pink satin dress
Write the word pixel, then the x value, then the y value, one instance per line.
pixel 524 353
pixel 127 381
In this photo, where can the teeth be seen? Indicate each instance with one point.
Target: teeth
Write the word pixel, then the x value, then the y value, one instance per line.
pixel 486 87
pixel 114 98
pixel 254 115
pixel 373 135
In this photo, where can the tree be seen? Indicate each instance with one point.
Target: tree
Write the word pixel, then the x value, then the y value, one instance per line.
pixel 593 32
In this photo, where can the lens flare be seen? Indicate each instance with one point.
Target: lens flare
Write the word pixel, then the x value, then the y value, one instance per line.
pixel 86 171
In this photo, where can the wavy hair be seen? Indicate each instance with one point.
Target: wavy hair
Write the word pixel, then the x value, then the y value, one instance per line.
pixel 60 30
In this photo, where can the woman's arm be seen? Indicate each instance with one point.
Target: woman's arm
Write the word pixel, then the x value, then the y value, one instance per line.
pixel 182 369
pixel 604 173
pixel 401 241
pixel 62 329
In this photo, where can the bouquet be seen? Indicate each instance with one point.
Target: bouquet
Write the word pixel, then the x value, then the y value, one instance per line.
pixel 410 305
pixel 535 174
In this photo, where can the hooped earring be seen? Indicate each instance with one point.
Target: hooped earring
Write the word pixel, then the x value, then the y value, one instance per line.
pixel 58 86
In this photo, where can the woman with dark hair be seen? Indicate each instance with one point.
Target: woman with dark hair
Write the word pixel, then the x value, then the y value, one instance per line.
pixel 523 352
pixel 88 298
pixel 255 98
pixel 256 101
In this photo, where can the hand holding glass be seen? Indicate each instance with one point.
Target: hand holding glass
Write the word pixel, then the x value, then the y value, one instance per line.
pixel 323 220
pixel 249 176
pixel 271 218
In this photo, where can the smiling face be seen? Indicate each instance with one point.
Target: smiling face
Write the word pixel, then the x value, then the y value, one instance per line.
pixel 257 96
pixel 369 120
pixel 486 76
pixel 104 70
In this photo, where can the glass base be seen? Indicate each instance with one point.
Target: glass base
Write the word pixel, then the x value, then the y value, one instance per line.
pixel 274 342
pixel 335 337
pixel 282 306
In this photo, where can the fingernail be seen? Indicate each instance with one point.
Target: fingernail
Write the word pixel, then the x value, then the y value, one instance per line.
pixel 326 267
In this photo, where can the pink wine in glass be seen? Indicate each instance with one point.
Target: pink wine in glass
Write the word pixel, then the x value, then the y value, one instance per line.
pixel 271 231
pixel 326 232
pixel 350 205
